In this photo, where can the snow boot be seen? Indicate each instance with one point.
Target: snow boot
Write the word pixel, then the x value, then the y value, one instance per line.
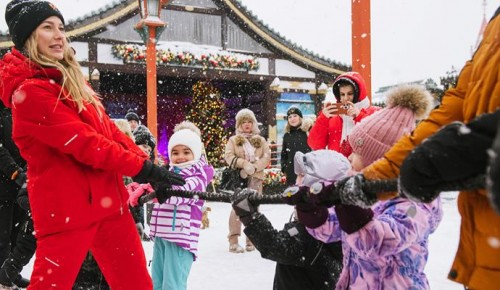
pixel 9 273
pixel 22 282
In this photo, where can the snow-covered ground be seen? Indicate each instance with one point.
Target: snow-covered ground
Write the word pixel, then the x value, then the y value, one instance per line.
pixel 217 269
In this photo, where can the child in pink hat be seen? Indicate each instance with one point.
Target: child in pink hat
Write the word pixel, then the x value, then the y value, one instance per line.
pixel 385 246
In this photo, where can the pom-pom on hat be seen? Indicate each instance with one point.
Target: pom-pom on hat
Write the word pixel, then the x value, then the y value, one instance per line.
pixel 375 134
pixel 321 165
pixel 294 110
pixel 132 115
pixel 24 16
pixel 187 134
pixel 247 115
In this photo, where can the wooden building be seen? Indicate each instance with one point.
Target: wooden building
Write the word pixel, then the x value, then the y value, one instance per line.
pixel 219 41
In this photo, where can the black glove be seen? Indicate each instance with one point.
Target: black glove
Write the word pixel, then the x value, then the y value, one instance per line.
pixel 20 177
pixel 453 154
pixel 162 191
pixel 352 218
pixel 350 191
pixel 22 197
pixel 243 207
pixel 155 174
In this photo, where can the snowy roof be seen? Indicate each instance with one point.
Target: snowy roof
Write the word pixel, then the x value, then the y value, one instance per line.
pixel 283 39
pixel 115 11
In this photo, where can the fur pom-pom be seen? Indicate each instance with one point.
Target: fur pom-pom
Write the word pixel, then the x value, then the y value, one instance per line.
pixel 239 140
pixel 187 125
pixel 414 97
pixel 256 141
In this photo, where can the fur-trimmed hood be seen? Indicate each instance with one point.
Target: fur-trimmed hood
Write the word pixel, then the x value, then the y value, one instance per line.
pixel 246 115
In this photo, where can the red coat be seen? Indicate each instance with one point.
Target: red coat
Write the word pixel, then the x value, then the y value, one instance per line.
pixel 327 132
pixel 75 160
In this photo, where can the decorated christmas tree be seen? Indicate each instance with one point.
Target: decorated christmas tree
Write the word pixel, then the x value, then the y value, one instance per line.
pixel 207 111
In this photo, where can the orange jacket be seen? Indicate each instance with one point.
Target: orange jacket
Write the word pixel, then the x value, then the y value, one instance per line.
pixel 477 262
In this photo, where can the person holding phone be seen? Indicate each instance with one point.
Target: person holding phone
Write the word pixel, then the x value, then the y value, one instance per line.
pixel 339 115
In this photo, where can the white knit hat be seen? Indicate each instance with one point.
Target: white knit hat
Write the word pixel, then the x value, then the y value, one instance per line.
pixel 187 134
pixel 321 165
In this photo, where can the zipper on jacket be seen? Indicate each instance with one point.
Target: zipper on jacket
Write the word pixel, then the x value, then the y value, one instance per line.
pixel 317 254
pixel 173 217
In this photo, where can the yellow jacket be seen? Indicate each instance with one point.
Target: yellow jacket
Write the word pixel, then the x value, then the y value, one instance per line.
pixel 477 262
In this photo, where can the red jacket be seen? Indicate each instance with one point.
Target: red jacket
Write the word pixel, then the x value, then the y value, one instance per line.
pixel 327 132
pixel 75 160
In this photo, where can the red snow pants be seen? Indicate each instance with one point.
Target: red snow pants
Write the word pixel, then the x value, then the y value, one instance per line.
pixel 115 245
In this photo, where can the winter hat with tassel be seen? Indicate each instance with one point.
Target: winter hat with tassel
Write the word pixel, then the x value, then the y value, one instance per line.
pixel 375 134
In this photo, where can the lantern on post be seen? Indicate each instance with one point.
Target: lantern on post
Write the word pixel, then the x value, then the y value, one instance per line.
pixel 150 28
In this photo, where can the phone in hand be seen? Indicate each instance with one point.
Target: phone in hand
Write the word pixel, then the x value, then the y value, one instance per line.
pixel 341 108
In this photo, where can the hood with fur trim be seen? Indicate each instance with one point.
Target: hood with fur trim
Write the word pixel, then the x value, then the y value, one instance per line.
pixel 246 115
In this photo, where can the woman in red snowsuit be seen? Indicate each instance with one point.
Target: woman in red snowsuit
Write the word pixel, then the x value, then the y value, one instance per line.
pixel 75 154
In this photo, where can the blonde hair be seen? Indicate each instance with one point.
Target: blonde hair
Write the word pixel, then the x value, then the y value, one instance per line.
pixel 124 126
pixel 73 80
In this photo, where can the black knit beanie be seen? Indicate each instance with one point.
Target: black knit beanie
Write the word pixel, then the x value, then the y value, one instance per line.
pixel 143 136
pixel 294 110
pixel 131 115
pixel 24 16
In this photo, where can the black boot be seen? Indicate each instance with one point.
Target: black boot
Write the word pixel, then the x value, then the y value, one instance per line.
pixel 22 282
pixel 9 273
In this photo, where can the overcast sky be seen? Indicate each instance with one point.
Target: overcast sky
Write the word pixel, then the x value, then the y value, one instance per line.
pixel 411 39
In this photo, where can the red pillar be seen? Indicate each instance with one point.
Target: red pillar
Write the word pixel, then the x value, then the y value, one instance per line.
pixel 361 41
pixel 151 82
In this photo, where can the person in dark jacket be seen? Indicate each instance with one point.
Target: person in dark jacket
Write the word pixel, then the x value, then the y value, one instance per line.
pixel 21 254
pixel 295 139
pixel 12 217
pixel 302 262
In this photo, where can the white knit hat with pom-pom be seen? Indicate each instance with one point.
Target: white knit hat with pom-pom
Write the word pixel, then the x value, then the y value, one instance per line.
pixel 187 134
